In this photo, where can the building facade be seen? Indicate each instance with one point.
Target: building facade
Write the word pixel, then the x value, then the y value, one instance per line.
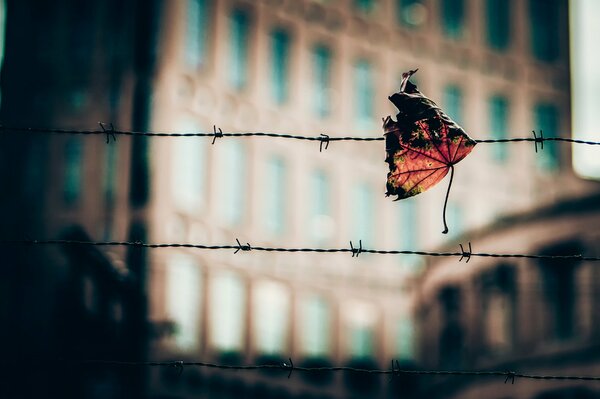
pixel 308 67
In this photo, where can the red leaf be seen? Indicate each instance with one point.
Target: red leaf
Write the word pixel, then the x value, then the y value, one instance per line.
pixel 422 145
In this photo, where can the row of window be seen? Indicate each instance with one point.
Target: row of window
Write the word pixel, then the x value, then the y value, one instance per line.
pixel 543 21
pixel 271 312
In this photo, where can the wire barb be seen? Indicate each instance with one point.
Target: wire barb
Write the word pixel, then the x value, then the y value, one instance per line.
pixel 465 254
pixel 110 132
pixel 178 365
pixel 288 366
pixel 323 138
pixel 537 140
pixel 241 247
pixel 356 251
pixel 510 375
pixel 216 134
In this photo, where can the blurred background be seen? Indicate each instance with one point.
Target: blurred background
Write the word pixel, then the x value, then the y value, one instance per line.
pixel 501 68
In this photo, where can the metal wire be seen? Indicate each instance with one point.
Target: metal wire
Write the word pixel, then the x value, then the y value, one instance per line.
pixel 289 367
pixel 462 254
pixel 219 134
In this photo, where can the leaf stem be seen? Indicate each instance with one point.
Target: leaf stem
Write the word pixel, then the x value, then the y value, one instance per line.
pixel 446 200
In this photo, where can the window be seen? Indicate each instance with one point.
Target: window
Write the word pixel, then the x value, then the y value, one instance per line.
pixel 453 103
pixel 406 338
pixel 455 219
pixel 361 318
pixel 411 13
pixel 453 14
pixel 280 53
pixel 196 32
pixel 109 180
pixel 498 23
pixel 232 184
pixel 239 39
pixel 316 327
pixel 184 288
pixel 452 337
pixel 275 196
pixel 320 221
pixel 271 317
pixel 408 226
pixel 544 22
pixel 363 214
pixel 322 80
pixel 546 119
pixel 498 119
pixel 73 172
pixel 365 6
pixel 227 300
pixel 188 177
pixel 498 304
pixel 364 92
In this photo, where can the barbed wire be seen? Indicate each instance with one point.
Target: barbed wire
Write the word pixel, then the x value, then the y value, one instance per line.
pixel 289 367
pixel 355 251
pixel 111 132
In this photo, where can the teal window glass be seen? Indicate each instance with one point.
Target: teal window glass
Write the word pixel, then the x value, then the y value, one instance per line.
pixel 365 6
pixel 361 341
pixel 453 103
pixel 544 29
pixel 364 93
pixel 233 169
pixel 453 16
pixel 406 336
pixel 455 219
pixel 498 119
pixel 109 180
pixel 280 63
pixel 316 327
pixel 320 221
pixel 498 23
pixel 363 214
pixel 196 32
pixel 546 119
pixel 239 40
pixel 322 80
pixel 275 195
pixel 271 314
pixel 408 231
pixel 183 300
pixel 227 312
pixel 73 172
pixel 411 13
pixel 188 179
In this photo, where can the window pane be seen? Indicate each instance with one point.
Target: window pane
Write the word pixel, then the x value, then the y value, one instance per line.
pixel 411 13
pixel 188 178
pixel 365 6
pixel 322 80
pixel 196 32
pixel 321 224
pixel 227 296
pixel 315 327
pixel 453 13
pixel 364 92
pixel 238 65
pixel 498 119
pixel 360 318
pixel 498 23
pixel 406 338
pixel 544 23
pixel 363 214
pixel 271 317
pixel 280 48
pixel 109 180
pixel 275 195
pixel 547 120
pixel 408 226
pixel 232 187
pixel 453 103
pixel 184 287
pixel 73 170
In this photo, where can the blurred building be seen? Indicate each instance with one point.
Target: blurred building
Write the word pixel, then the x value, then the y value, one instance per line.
pixel 298 66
